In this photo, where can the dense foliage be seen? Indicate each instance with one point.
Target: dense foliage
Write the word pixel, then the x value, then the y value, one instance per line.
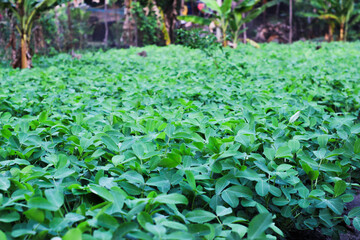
pixel 172 146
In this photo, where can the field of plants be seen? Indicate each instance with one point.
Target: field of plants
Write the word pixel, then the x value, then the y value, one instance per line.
pixel 246 143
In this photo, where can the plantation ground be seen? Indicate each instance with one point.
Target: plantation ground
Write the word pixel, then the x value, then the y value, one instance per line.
pixel 173 146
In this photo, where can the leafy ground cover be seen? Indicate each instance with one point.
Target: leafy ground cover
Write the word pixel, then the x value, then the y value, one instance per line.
pixel 173 146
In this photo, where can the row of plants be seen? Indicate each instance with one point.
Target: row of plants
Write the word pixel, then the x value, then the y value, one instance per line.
pixel 172 146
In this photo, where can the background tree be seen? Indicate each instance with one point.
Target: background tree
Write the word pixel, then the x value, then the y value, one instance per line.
pixel 26 12
pixel 336 12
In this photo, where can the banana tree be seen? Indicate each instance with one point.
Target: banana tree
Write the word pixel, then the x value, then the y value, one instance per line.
pixel 342 11
pixel 243 13
pixel 336 12
pixel 221 18
pixel 26 12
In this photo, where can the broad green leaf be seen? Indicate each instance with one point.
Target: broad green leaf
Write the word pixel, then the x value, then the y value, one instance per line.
pixel 339 188
pixel 35 214
pixel 323 140
pixel 222 211
pixel 73 234
pixel 284 167
pixel 258 225
pixel 43 116
pixel 294 145
pixel 262 188
pixel 283 152
pixel 335 205
pixel 200 216
pixel 125 228
pixel 42 203
pixel 2 235
pixel 110 144
pixel 357 146
pixel 4 183
pixel 172 160
pixel 102 192
pixel 118 159
pixel 356 223
pixel 8 217
pixel 173 198
pixel 355 212
pixel 190 179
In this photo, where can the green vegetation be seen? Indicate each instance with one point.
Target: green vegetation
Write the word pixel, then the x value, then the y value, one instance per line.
pixel 173 147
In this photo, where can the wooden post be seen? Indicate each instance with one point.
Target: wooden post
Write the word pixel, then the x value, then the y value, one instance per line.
pixel 106 25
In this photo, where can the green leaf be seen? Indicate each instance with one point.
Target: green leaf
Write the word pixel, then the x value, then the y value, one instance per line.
pixel 173 198
pixel 357 146
pixel 339 188
pixel 2 235
pixel 43 116
pixel 9 217
pixel 143 218
pixel 356 223
pixel 355 212
pixel 117 160
pixel 4 183
pixel 15 143
pixel 313 175
pixel 107 221
pixel 213 5
pixel 231 195
pixel 328 167
pixel 284 167
pixel 125 228
pixel 323 140
pixel 35 214
pixel 283 152
pixel 102 192
pixel 258 225
pixel 172 160
pixel 222 211
pixel 195 19
pixel 41 203
pixel 73 234
pixel 230 198
pixel 280 201
pixel 294 145
pixel 190 179
pixel 262 188
pixel 336 205
pixel 200 216
pixel 110 144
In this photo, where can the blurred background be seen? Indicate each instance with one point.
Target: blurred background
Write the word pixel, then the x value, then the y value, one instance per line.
pixel 64 26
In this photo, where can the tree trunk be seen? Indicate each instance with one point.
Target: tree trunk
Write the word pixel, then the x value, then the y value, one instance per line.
pixel 244 33
pixel 24 52
pixel 170 17
pixel 331 33
pixel 68 12
pixel 218 31
pixel 225 43
pixel 290 20
pixel 58 31
pixel 12 43
pixel 106 25
pixel 128 27
pixel 342 27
